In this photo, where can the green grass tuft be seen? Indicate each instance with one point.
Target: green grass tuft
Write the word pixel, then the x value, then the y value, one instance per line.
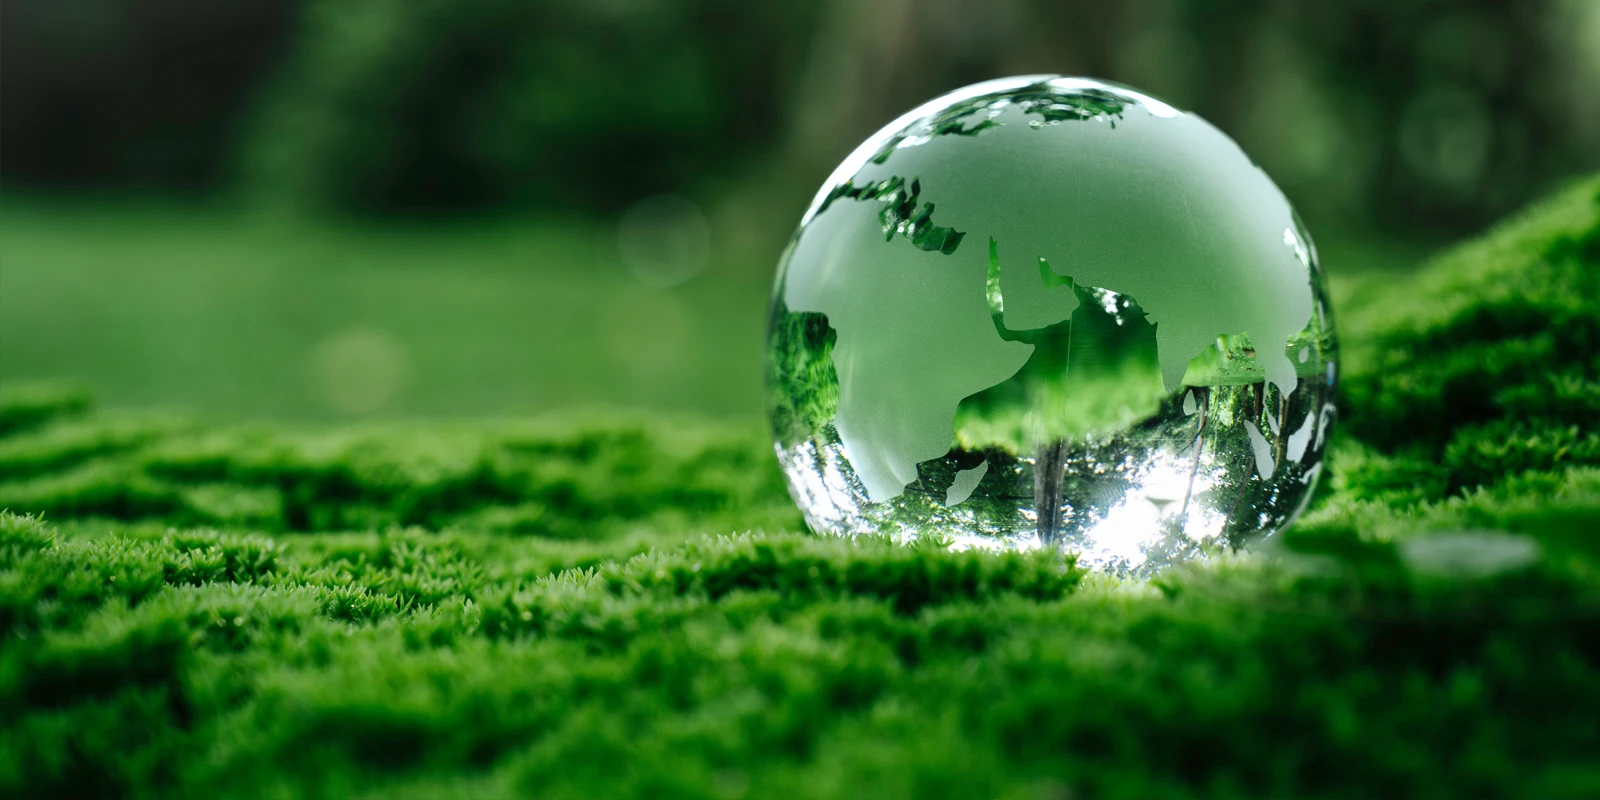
pixel 1504 328
pixel 617 607
pixel 33 404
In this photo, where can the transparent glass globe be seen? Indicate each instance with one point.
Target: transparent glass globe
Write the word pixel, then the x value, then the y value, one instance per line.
pixel 1046 311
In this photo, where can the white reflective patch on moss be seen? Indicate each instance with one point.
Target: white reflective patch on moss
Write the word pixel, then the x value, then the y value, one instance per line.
pixel 1468 554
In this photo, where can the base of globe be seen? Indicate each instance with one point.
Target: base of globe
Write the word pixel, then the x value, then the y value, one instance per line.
pixel 1217 469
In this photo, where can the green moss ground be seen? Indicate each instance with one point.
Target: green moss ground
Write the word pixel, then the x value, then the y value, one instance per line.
pixel 605 607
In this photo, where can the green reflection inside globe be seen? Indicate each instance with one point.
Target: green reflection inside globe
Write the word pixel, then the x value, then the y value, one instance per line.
pixel 1045 311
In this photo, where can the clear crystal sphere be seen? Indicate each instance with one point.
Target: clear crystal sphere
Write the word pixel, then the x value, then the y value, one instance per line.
pixel 1046 311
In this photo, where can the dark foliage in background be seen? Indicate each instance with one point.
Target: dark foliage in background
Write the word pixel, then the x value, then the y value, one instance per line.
pixel 1451 113
pixel 120 94
pixel 1395 114
pixel 408 105
pixel 395 106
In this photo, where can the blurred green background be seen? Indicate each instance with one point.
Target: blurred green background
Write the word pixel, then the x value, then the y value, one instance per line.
pixel 325 209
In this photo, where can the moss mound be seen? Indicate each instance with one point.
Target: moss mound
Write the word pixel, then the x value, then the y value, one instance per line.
pixel 558 609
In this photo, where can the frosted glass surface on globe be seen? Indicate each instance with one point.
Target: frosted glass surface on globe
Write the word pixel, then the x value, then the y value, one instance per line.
pixel 1045 311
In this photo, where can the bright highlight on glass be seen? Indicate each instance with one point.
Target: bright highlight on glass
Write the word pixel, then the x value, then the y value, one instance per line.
pixel 1045 311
